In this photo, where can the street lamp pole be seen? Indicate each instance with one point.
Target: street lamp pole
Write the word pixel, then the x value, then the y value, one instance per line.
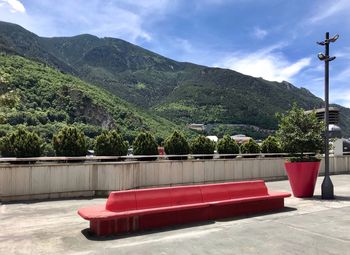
pixel 327 188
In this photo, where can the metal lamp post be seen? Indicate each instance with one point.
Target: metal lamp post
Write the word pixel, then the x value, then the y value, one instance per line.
pixel 327 188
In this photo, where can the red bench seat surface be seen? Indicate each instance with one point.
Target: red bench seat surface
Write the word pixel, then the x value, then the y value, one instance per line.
pixel 153 198
pixel 121 201
pixel 247 189
pixel 157 200
pixel 226 191
pixel 186 195
pixel 249 199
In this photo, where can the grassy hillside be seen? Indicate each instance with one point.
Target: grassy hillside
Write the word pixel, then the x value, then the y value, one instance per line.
pixel 180 92
pixel 49 99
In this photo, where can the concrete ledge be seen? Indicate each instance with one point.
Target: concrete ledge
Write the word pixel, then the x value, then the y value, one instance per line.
pixel 76 194
pixel 53 180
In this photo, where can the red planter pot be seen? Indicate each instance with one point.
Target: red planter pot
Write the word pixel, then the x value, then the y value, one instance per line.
pixel 302 177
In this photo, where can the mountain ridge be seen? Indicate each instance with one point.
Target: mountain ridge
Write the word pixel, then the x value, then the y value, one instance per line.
pixel 50 99
pixel 179 91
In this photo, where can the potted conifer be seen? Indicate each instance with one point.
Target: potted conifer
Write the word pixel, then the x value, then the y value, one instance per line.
pixel 270 145
pixel 111 144
pixel 251 147
pixel 227 145
pixel 300 133
pixel 21 143
pixel 202 145
pixel 176 144
pixel 70 141
pixel 145 144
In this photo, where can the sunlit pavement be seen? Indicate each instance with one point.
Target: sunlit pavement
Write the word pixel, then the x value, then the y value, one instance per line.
pixel 306 226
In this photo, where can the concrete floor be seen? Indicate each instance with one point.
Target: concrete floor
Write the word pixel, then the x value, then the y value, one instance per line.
pixel 306 226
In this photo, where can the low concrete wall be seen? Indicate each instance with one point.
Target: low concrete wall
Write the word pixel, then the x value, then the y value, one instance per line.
pixel 40 181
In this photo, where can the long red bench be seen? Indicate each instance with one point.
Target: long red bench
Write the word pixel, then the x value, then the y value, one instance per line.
pixel 134 210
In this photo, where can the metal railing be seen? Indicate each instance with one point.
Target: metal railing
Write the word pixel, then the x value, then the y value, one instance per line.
pixel 141 157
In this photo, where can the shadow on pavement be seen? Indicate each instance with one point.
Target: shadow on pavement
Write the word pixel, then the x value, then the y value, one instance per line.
pixel 285 209
pixel 92 237
pixel 336 198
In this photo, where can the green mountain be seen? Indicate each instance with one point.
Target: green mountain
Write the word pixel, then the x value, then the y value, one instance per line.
pixel 49 99
pixel 180 92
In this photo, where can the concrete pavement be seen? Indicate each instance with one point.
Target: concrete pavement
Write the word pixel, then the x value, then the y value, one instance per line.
pixel 306 226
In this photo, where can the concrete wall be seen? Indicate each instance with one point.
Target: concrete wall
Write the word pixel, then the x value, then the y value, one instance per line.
pixel 39 181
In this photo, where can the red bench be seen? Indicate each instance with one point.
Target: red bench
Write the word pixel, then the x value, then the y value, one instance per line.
pixel 133 210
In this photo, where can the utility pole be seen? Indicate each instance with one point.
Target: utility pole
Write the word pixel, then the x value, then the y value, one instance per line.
pixel 327 188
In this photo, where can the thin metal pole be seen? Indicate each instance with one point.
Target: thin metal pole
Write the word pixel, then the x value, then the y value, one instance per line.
pixel 327 185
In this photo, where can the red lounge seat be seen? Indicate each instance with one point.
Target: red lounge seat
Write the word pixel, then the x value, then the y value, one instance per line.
pixel 134 210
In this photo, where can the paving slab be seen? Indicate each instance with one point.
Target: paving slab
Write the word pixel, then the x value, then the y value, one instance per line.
pixel 305 226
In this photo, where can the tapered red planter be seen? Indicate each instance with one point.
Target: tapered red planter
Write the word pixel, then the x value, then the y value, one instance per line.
pixel 302 177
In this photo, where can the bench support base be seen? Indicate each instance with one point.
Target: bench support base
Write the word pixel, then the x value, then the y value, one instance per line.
pixel 154 221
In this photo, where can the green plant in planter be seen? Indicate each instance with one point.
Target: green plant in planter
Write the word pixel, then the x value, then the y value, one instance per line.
pixel 250 147
pixel 202 145
pixel 271 145
pixel 21 143
pixel 111 144
pixel 300 132
pixel 176 144
pixel 226 145
pixel 70 142
pixel 145 144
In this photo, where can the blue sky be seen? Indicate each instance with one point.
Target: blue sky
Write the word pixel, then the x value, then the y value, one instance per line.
pixel 273 39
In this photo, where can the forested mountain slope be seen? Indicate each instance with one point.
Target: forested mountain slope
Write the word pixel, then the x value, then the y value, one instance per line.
pixel 181 92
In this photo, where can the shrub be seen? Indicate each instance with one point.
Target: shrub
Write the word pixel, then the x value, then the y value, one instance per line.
pixel 202 145
pixel 70 142
pixel 21 143
pixel 111 144
pixel 48 150
pixel 300 132
pixel 145 144
pixel 176 144
pixel 250 147
pixel 270 145
pixel 226 145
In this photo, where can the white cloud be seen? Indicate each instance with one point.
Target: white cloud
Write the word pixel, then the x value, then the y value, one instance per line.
pixel 184 45
pixel 268 63
pixel 328 9
pixel 341 97
pixel 259 33
pixel 15 5
pixel 124 19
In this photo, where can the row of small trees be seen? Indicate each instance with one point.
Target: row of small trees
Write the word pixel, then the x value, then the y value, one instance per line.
pixel 71 141
pixel 298 132
pixel 176 144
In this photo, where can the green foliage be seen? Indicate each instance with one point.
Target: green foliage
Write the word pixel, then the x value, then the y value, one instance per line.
pixel 111 144
pixel 21 144
pixel 9 99
pixel 48 150
pixel 50 98
pixel 70 142
pixel 202 145
pixel 232 129
pixel 250 147
pixel 271 145
pixel 300 132
pixel 176 144
pixel 180 92
pixel 145 144
pixel 226 145
pixel 304 159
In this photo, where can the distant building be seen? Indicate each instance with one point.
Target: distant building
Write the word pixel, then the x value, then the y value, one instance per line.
pixel 333 114
pixel 213 138
pixel 197 127
pixel 241 138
